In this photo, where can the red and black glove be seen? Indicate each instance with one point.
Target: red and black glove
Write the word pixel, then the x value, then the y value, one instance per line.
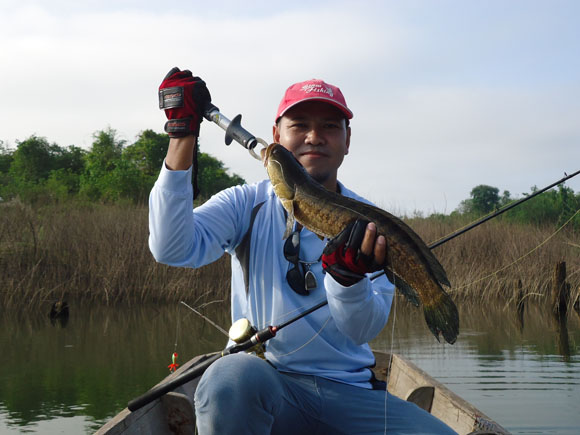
pixel 343 259
pixel 184 99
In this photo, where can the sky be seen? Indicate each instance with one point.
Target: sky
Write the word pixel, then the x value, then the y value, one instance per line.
pixel 446 95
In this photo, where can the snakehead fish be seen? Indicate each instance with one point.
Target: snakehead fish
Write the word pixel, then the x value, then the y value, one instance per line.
pixel 410 264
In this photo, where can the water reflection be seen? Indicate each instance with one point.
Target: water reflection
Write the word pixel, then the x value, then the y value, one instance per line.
pixel 562 339
pixel 94 364
pixel 527 379
pixel 82 373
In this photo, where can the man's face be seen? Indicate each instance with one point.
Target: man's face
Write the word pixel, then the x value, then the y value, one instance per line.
pixel 316 133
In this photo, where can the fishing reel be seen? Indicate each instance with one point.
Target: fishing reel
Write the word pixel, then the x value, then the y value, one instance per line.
pixel 241 331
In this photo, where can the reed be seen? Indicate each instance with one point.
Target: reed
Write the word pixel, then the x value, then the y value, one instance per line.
pixel 487 262
pixel 99 253
pixel 95 253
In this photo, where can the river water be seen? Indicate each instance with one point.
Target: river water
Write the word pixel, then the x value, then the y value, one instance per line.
pixel 71 378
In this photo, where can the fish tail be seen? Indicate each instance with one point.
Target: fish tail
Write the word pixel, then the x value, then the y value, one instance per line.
pixel 442 317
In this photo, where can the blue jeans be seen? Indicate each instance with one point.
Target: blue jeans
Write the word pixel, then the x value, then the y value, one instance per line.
pixel 243 394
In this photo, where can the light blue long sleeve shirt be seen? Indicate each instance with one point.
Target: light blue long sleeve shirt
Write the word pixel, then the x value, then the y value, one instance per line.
pixel 330 342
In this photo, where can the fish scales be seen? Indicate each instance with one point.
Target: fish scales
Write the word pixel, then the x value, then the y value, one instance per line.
pixel 410 264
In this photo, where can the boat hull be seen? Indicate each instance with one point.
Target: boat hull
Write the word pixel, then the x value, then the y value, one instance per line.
pixel 174 412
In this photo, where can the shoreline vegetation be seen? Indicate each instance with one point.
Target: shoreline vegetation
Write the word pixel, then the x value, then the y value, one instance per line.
pixel 94 253
pixel 73 226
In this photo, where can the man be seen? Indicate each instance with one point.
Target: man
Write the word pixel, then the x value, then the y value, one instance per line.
pixel 317 375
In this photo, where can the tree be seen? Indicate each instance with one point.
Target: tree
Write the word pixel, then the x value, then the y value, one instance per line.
pixel 213 176
pixel 484 199
pixel 113 173
pixel 71 159
pixel 104 157
pixel 553 207
pixel 125 182
pixel 62 184
pixel 567 203
pixel 505 199
pixel 6 158
pixel 33 160
pixel 39 171
pixel 148 151
pixel 105 151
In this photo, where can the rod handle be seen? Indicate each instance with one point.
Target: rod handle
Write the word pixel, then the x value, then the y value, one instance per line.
pixel 233 128
pixel 160 390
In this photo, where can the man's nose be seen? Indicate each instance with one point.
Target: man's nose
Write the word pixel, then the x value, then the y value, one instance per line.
pixel 315 136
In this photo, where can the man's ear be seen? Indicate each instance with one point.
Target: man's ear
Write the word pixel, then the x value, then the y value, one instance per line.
pixel 275 133
pixel 347 140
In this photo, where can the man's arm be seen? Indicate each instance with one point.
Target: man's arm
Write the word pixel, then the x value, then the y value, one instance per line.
pixel 180 153
pixel 360 311
pixel 360 307
pixel 171 231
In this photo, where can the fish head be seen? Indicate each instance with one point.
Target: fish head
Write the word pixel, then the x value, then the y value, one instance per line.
pixel 284 170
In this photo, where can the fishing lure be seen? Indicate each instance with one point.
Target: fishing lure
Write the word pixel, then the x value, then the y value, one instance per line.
pixel 173 366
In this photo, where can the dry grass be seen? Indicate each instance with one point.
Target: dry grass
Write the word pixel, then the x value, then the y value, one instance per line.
pixel 488 261
pixel 100 254
pixel 93 253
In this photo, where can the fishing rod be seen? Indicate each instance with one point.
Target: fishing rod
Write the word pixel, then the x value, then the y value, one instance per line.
pixel 258 338
pixel 501 210
pixel 491 216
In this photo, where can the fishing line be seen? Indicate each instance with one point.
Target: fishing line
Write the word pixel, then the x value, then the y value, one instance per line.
pixel 520 258
pixel 207 319
pixel 389 364
pixel 309 341
pixel 176 331
pixel 308 302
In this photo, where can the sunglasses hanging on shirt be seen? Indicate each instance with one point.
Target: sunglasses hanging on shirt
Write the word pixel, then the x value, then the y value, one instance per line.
pixel 300 278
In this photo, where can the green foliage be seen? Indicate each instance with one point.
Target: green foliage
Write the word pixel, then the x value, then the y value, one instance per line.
pixel 33 168
pixel 6 158
pixel 484 199
pixel 125 182
pixel 213 176
pixel 33 160
pixel 101 160
pixel 148 151
pixel 553 207
pixel 63 184
pixel 110 172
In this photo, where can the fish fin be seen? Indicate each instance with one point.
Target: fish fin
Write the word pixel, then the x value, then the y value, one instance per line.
pixel 404 288
pixel 442 317
pixel 433 263
pixel 436 267
pixel 289 220
pixel 438 270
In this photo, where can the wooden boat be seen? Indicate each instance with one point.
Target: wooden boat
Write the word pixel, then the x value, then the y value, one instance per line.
pixel 174 413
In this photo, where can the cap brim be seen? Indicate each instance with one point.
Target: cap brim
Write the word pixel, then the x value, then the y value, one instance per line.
pixel 345 110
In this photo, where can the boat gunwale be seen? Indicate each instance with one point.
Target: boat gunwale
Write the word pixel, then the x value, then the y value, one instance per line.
pixel 404 377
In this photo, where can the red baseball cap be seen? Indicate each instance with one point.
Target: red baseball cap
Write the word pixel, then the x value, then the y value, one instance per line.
pixel 313 90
